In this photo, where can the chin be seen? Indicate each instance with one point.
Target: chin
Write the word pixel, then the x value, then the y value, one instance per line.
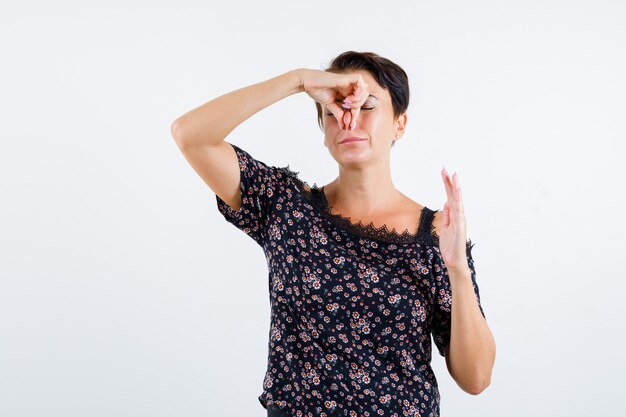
pixel 352 156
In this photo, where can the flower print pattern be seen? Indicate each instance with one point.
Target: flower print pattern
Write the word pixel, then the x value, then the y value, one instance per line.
pixel 353 307
pixel 258 183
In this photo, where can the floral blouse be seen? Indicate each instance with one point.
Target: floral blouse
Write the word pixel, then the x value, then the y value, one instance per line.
pixel 353 306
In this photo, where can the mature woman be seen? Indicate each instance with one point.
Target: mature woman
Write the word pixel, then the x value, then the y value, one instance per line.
pixel 360 275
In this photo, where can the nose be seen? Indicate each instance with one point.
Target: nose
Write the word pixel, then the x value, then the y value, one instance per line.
pixel 347 119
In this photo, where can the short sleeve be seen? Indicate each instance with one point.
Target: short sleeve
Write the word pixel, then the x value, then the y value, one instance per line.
pixel 443 299
pixel 258 186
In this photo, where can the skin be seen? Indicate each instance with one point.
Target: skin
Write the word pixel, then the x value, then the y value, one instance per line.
pixel 471 353
pixel 364 191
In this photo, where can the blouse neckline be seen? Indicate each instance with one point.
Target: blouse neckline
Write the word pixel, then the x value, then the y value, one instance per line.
pixel 425 234
pixel 370 231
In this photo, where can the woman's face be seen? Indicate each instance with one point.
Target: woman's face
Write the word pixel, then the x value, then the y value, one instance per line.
pixel 375 124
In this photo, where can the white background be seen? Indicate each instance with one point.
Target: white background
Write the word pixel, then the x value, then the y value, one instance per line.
pixel 123 291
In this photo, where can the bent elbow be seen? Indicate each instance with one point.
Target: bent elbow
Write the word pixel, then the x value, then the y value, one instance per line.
pixel 477 387
pixel 175 130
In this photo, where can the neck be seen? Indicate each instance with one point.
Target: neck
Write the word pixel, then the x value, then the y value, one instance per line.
pixel 362 191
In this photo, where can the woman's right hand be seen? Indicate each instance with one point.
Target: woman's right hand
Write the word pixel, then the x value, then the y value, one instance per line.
pixel 327 87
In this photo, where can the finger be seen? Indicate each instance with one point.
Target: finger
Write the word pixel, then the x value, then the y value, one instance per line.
pixel 453 195
pixel 346 88
pixel 355 89
pixel 359 95
pixel 446 179
pixel 457 194
pixel 455 185
pixel 355 115
pixel 354 102
pixel 338 112
pixel 455 202
pixel 447 183
pixel 452 202
pixel 346 91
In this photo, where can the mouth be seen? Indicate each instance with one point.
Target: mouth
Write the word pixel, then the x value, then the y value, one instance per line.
pixel 352 139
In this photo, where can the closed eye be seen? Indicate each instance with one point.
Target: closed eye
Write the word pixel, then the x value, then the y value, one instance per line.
pixel 362 108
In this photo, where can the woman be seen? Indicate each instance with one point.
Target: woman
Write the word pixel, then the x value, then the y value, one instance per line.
pixel 354 300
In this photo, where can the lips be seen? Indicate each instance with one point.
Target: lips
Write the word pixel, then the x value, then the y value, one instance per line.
pixel 352 139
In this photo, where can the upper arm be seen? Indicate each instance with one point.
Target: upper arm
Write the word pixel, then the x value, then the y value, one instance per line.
pixel 218 167
pixel 246 188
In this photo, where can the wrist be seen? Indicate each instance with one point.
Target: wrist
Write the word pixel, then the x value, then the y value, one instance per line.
pixel 460 273
pixel 298 80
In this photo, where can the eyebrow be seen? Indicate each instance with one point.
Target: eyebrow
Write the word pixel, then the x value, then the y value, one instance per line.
pixel 371 95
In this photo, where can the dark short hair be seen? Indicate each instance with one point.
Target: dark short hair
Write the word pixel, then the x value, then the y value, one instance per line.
pixel 387 73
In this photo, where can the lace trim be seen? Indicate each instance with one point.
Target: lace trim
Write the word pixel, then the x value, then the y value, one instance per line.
pixel 368 230
pixel 318 199
pixel 426 231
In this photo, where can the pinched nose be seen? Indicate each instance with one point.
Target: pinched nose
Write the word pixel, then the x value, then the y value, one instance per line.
pixel 347 119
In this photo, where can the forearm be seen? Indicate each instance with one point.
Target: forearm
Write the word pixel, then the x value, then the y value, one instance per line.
pixel 472 346
pixel 210 123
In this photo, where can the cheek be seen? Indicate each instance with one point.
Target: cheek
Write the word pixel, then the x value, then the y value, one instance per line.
pixel 331 126
pixel 369 121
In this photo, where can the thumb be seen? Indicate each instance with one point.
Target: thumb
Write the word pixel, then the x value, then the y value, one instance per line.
pixel 358 98
pixel 446 214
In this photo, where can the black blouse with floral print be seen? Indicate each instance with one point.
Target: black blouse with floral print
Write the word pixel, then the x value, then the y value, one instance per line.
pixel 353 306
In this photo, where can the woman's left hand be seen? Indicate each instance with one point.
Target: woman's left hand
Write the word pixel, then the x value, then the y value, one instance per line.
pixel 453 231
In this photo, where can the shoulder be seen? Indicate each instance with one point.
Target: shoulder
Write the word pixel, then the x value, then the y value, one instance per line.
pixel 430 220
pixel 431 225
pixel 291 177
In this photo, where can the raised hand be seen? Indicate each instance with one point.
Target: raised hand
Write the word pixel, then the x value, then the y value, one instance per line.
pixel 327 88
pixel 453 233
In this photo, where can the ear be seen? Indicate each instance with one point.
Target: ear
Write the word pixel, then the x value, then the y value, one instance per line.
pixel 401 125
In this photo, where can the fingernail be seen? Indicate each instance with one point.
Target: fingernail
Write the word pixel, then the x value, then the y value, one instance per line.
pixel 352 125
